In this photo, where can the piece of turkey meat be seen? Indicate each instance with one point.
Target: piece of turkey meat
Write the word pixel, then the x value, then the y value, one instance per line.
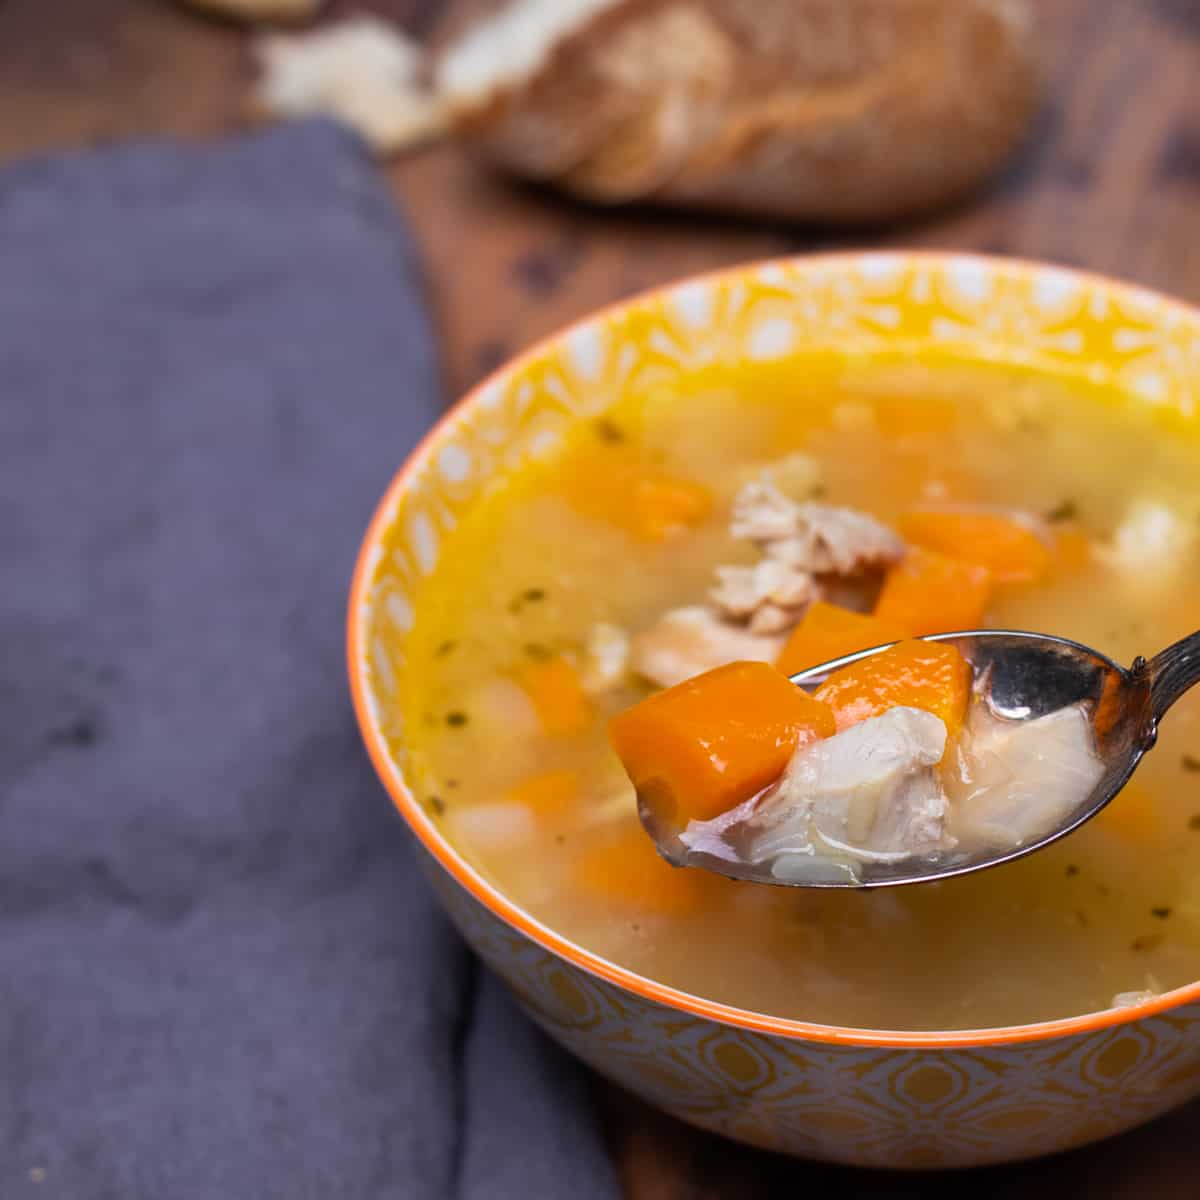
pixel 687 641
pixel 1015 781
pixel 869 794
pixel 800 541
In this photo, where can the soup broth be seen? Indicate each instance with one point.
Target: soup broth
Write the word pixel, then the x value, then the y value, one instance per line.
pixel 514 763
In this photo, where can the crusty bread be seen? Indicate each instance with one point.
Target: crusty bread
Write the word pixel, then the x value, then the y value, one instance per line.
pixel 815 110
pixel 844 110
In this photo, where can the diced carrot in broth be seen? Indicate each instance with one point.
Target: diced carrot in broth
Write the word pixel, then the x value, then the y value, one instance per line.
pixel 931 593
pixel 628 872
pixel 932 676
pixel 649 504
pixel 913 416
pixel 557 695
pixel 1010 550
pixel 547 794
pixel 829 631
pixel 705 745
pixel 664 506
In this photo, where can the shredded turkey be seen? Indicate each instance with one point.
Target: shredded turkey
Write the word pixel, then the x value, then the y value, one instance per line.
pixel 804 545
pixel 762 513
pixel 687 641
pixel 800 541
pixel 769 596
pixel 820 538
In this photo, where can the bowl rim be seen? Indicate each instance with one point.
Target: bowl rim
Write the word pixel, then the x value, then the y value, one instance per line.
pixel 495 901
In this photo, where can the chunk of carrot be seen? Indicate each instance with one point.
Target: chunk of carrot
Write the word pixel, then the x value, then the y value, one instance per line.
pixel 828 631
pixel 932 676
pixel 547 794
pixel 649 504
pixel 1011 551
pixel 557 695
pixel 931 593
pixel 627 871
pixel 705 745
pixel 663 506
pixel 914 416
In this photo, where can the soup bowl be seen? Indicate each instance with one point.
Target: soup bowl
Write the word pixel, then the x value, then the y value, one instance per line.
pixel 880 1098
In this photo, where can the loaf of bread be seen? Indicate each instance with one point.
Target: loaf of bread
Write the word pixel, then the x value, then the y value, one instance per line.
pixel 837 110
pixel 810 110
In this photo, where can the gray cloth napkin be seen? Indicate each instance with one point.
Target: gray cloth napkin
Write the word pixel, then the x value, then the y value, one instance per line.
pixel 221 974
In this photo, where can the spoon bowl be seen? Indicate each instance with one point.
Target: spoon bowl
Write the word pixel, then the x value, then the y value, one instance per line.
pixel 1019 676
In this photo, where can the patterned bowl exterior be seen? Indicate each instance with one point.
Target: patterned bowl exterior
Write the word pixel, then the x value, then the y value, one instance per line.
pixel 874 1106
pixel 882 1099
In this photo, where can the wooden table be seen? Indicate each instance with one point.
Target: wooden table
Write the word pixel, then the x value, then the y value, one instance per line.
pixel 1109 180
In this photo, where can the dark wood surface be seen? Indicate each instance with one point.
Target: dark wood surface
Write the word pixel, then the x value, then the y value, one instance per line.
pixel 1109 180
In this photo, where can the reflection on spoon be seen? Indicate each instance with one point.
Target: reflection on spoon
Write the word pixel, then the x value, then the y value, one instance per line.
pixel 1053 731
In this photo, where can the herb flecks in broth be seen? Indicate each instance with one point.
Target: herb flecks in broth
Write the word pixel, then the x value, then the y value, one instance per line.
pixel 1005 947
pixel 1068 510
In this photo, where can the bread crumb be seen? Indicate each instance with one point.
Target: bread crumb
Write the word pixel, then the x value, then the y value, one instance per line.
pixel 360 71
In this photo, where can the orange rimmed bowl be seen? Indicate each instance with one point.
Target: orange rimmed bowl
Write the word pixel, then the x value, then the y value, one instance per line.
pixel 873 1098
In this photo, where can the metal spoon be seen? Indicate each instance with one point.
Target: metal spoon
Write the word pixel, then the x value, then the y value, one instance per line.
pixel 1024 676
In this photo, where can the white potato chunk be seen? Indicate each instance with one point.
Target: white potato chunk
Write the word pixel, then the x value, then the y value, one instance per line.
pixel 1152 542
pixel 1129 999
pixel 500 709
pixel 492 828
pixel 606 658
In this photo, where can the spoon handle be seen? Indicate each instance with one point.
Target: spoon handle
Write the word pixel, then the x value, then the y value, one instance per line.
pixel 1172 672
